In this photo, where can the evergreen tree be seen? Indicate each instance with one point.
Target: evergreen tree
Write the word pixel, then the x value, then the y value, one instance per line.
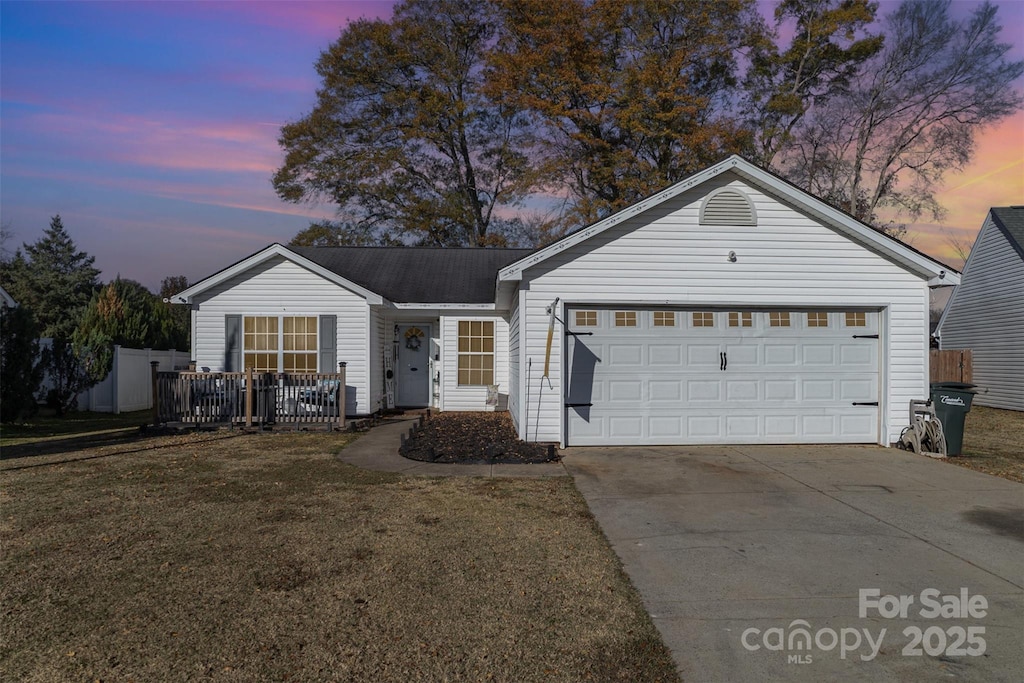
pixel 53 279
pixel 20 368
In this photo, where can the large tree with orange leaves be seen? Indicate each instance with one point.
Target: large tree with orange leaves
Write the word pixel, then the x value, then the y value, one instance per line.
pixel 631 96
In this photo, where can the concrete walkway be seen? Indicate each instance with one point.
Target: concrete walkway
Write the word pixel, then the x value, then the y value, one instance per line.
pixel 764 543
pixel 377 450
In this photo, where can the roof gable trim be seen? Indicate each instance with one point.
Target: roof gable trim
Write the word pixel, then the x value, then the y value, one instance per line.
pixel 259 257
pixel 847 225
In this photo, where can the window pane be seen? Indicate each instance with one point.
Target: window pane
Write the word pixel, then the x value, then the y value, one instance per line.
pixel 703 319
pixel 778 318
pixel 586 318
pixel 741 319
pixel 856 319
pixel 463 328
pixel 625 318
pixel 817 319
pixel 664 319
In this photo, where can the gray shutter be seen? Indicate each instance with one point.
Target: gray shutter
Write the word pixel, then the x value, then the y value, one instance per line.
pixel 233 343
pixel 328 343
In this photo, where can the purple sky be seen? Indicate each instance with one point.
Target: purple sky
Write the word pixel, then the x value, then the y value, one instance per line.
pixel 151 128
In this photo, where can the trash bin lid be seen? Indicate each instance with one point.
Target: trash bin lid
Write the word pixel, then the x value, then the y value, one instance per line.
pixel 958 386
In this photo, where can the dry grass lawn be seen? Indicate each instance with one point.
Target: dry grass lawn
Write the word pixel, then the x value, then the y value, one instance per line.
pixel 994 443
pixel 261 557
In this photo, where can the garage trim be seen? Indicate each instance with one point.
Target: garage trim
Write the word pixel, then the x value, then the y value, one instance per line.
pixel 567 309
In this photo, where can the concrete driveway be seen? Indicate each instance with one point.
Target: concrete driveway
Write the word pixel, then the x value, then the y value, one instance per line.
pixel 729 546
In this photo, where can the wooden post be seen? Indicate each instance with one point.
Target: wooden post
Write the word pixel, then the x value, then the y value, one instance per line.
pixel 156 392
pixel 341 394
pixel 249 388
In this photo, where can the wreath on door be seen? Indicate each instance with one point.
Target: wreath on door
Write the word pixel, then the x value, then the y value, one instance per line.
pixel 413 338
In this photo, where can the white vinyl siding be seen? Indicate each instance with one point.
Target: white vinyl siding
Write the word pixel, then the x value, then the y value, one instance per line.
pixel 279 287
pixel 455 397
pixel 664 257
pixel 986 315
pixel 513 361
pixel 375 357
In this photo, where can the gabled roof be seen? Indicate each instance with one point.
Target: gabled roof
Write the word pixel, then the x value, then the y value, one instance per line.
pixel 418 274
pixel 395 274
pixel 878 242
pixel 270 252
pixel 1010 220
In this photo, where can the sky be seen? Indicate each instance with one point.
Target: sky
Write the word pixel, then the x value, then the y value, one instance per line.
pixel 151 128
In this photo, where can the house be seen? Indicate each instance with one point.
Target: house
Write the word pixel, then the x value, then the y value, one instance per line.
pixel 986 312
pixel 731 307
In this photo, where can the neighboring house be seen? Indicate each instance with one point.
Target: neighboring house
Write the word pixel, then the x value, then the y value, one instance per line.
pixel 986 312
pixel 6 300
pixel 731 307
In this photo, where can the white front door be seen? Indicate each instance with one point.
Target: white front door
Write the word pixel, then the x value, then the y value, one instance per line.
pixel 413 366
pixel 649 376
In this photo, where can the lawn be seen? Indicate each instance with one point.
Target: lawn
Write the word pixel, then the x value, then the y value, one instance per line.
pixel 238 557
pixel 48 427
pixel 994 443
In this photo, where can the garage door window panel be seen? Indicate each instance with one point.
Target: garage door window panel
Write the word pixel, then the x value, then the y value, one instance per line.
pixel 817 319
pixel 664 319
pixel 778 319
pixel 741 319
pixel 476 352
pixel 856 319
pixel 625 318
pixel 703 319
pixel 586 318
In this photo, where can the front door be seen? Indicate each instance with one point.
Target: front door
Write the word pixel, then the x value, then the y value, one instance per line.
pixel 413 365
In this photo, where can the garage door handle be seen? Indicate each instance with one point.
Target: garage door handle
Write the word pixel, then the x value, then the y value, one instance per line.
pixel 865 336
pixel 868 403
pixel 578 405
pixel 723 359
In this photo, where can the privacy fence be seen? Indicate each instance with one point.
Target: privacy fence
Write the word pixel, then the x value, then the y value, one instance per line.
pixel 954 365
pixel 128 386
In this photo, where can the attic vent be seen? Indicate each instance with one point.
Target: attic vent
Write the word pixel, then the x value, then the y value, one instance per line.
pixel 728 207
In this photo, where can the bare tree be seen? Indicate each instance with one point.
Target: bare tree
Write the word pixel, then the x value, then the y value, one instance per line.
pixel 911 116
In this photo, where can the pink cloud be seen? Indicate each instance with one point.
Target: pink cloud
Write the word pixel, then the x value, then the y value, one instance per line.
pixel 994 178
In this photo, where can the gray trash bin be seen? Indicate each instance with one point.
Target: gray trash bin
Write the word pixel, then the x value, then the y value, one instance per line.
pixel 952 401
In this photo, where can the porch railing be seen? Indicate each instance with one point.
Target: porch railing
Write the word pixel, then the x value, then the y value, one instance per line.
pixel 250 398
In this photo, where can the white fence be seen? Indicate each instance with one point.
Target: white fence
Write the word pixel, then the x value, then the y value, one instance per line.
pixel 129 386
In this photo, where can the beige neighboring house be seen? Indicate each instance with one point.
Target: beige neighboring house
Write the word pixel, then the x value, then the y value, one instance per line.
pixel 986 312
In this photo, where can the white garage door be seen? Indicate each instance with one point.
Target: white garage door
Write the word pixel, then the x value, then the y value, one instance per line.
pixel 660 376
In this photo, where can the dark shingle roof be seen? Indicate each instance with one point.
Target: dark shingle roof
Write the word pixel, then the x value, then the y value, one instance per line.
pixel 1010 220
pixel 418 274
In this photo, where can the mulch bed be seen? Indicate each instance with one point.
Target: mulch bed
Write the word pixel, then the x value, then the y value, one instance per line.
pixel 472 437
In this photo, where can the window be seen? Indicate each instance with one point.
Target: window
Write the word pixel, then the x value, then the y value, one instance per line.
pixel 778 318
pixel 664 319
pixel 300 344
pixel 476 352
pixel 744 319
pixel 625 318
pixel 817 319
pixel 586 318
pixel 703 319
pixel 856 319
pixel 276 343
